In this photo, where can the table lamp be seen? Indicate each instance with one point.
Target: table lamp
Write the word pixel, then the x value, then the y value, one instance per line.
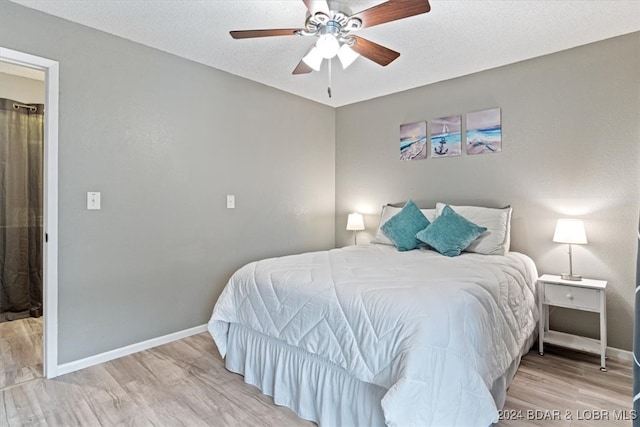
pixel 570 231
pixel 355 223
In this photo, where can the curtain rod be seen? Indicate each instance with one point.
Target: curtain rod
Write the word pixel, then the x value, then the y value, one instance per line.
pixel 30 107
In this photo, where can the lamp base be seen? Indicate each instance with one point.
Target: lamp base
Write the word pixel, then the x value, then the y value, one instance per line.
pixel 574 277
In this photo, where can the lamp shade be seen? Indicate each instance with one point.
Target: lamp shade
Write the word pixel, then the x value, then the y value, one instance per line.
pixel 355 222
pixel 347 56
pixel 313 59
pixel 570 231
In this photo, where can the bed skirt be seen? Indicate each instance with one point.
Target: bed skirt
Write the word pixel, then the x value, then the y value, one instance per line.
pixel 313 388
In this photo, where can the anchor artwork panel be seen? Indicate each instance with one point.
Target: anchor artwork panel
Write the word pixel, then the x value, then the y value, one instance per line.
pixel 446 137
pixel 413 141
pixel 484 132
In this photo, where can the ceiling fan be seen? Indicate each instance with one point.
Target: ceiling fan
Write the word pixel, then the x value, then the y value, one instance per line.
pixel 334 28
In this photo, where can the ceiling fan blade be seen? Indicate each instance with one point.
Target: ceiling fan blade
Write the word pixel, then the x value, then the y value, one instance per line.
pixel 375 52
pixel 317 6
pixel 392 10
pixel 302 68
pixel 248 34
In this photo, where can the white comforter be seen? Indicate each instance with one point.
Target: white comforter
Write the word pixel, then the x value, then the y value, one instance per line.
pixel 435 331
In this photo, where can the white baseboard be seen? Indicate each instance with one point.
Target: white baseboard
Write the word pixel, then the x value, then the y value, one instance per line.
pixel 65 368
pixel 617 353
pixel 76 365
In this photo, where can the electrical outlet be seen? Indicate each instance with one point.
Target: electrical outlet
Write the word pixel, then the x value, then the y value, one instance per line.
pixel 231 201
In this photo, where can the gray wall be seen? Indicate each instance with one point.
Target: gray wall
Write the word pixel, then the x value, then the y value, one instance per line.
pixel 21 89
pixel 571 147
pixel 165 139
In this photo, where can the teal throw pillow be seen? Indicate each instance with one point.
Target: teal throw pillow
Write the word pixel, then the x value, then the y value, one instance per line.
pixel 403 226
pixel 450 233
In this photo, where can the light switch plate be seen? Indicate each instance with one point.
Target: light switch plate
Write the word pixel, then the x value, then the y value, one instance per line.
pixel 93 200
pixel 231 201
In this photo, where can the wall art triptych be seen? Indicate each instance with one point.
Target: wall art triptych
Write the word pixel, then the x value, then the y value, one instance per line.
pixel 483 135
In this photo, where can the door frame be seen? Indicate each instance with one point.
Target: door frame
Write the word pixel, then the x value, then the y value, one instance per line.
pixel 50 228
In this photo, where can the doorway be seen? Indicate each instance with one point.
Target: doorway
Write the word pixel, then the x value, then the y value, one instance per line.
pixel 49 230
pixel 22 97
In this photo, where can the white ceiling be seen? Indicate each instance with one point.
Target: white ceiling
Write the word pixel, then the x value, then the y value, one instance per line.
pixel 456 38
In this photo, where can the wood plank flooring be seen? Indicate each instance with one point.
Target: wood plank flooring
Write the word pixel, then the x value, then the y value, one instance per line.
pixel 20 351
pixel 185 383
pixel 566 388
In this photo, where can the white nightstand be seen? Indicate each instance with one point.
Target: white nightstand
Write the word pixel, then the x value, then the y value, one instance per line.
pixel 588 295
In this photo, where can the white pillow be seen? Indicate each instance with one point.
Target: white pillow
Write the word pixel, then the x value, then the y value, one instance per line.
pixel 497 239
pixel 388 212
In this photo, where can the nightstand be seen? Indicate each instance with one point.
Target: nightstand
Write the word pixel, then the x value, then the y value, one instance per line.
pixel 587 295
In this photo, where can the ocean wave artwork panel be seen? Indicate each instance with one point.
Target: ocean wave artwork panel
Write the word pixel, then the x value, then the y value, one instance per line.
pixel 484 131
pixel 446 138
pixel 413 141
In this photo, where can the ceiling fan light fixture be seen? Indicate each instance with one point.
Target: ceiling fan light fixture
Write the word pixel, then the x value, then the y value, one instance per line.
pixel 314 58
pixel 347 56
pixel 328 46
pixel 333 29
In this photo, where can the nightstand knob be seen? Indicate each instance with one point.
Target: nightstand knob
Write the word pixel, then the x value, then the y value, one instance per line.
pixel 570 297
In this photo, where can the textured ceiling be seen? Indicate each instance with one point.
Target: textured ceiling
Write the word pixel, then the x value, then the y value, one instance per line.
pixel 454 39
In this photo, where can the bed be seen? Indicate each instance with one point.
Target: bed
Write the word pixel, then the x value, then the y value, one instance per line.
pixel 369 335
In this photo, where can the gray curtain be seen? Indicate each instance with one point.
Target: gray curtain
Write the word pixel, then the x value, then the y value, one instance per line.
pixel 636 342
pixel 21 157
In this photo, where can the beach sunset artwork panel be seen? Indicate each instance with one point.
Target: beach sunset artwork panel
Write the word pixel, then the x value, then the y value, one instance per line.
pixel 484 132
pixel 446 137
pixel 413 141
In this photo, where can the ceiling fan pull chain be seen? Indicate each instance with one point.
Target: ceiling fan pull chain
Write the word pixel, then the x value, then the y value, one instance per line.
pixel 329 87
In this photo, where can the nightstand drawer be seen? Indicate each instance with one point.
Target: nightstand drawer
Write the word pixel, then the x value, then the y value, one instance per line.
pixel 570 296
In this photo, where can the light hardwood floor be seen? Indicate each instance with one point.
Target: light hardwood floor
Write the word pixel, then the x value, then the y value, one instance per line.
pixel 185 383
pixel 569 387
pixel 20 351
